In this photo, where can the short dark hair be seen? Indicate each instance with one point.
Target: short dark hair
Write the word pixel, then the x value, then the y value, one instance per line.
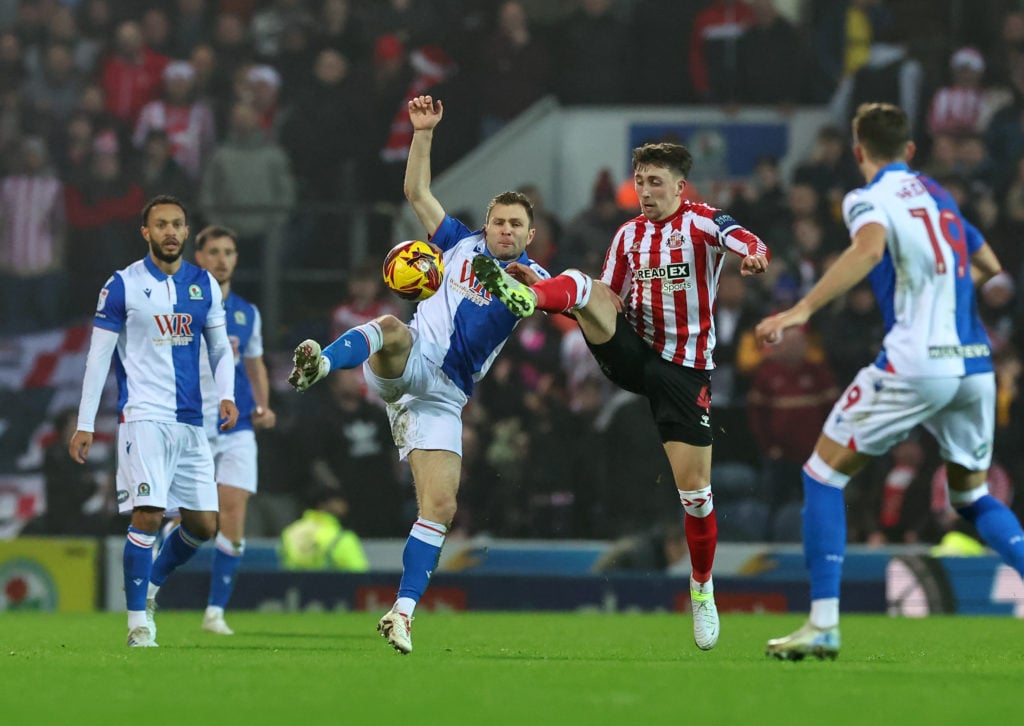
pixel 510 198
pixel 882 129
pixel 213 231
pixel 162 199
pixel 674 157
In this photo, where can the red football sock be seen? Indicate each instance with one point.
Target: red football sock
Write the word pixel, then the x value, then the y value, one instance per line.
pixel 559 294
pixel 702 538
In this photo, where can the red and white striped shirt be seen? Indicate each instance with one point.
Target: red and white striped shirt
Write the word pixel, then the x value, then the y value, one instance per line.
pixel 667 273
pixel 31 222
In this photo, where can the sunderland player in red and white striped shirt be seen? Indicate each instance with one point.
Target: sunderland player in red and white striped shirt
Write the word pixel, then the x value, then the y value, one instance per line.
pixel 649 323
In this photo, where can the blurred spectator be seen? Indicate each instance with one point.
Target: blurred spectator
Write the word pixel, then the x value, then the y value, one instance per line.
pixel 830 169
pixel 318 541
pixel 959 107
pixel 295 60
pixel 349 448
pixel 844 31
pixel 192 22
pixel 548 236
pixel 156 31
pixel 62 28
pixel 790 397
pixel 103 207
pixel 714 56
pixel 1005 134
pixel 328 110
pixel 657 550
pixel 52 91
pixel 187 122
pixel 890 75
pixel 340 28
pixel 594 57
pixel 269 26
pixel 773 66
pixel 32 272
pixel 762 204
pixel 12 65
pixel 384 83
pixel 72 146
pixel 584 244
pixel 95 26
pixel 79 500
pixel 513 69
pixel 231 45
pixel 159 173
pixel 736 311
pixel 248 184
pixel 131 74
pixel 261 88
pixel 412 22
pixel 365 299
pixel 852 334
pixel 900 508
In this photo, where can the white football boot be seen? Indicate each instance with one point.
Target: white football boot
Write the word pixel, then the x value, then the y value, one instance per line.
pixel 397 628
pixel 310 366
pixel 808 640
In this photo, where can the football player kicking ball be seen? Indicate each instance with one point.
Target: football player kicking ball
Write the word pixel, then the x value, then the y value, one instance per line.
pixel 425 370
pixel 935 368
pixel 648 322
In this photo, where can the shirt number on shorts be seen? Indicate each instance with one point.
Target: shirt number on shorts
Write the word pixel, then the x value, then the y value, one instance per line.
pixel 852 396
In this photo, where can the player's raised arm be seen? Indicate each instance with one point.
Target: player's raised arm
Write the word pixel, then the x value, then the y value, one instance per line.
pixel 424 114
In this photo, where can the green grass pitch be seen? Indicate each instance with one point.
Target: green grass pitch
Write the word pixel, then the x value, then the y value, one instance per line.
pixel 484 668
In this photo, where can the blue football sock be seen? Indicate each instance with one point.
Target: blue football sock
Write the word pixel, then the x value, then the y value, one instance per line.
pixel 226 559
pixel 1000 529
pixel 138 562
pixel 355 346
pixel 824 522
pixel 422 550
pixel 177 549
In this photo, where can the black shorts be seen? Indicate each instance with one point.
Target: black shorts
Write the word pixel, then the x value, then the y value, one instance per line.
pixel 679 397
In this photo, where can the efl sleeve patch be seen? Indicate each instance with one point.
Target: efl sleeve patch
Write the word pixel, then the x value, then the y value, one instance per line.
pixel 725 221
pixel 857 210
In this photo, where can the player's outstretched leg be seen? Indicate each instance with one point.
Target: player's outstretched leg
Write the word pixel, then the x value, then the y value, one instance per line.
pixel 310 366
pixel 516 296
pixel 808 640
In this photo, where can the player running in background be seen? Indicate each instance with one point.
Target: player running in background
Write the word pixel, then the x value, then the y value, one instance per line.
pixel 426 370
pixel 149 316
pixel 648 321
pixel 234 451
pixel 935 368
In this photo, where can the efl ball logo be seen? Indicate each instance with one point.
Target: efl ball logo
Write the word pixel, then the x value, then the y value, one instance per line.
pixel 413 270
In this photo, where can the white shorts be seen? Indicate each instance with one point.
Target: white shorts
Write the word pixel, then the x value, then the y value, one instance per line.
pixel 164 465
pixel 879 409
pixel 234 459
pixel 424 406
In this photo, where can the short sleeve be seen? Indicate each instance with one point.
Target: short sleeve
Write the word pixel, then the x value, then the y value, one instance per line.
pixel 449 233
pixel 111 310
pixel 860 209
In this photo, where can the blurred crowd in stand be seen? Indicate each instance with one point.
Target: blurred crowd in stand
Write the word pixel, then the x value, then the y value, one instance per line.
pixel 281 114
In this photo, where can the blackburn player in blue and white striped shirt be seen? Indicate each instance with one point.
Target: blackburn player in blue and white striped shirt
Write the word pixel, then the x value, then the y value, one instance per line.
pixel 149 317
pixel 426 370
pixel 234 451
pixel 935 368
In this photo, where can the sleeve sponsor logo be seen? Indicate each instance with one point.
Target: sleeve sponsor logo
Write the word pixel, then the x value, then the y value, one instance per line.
pixel 858 209
pixel 102 301
pixel 725 220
